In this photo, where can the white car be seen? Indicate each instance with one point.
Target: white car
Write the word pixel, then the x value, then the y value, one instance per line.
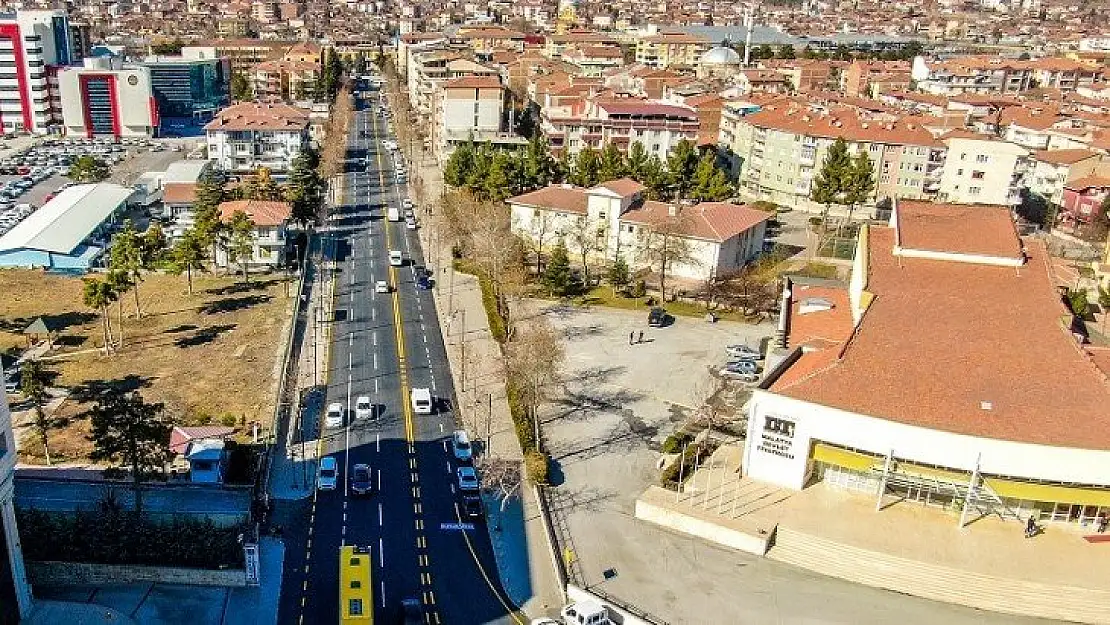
pixel 742 352
pixel 460 445
pixel 395 258
pixel 422 401
pixel 326 476
pixel 334 416
pixel 407 203
pixel 410 223
pixel 381 286
pixel 363 408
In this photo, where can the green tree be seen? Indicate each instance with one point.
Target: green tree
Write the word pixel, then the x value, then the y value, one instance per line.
pixel 860 183
pixel 587 168
pixel 305 192
pixel 167 47
pixel 503 180
pixel 1104 306
pixel 1077 301
pixel 240 88
pixel 711 184
pixel 240 242
pixel 637 161
pixel 359 65
pixel 457 170
pixel 121 282
pixel 154 245
pixel 763 52
pixel 538 169
pixel 209 193
pixel 557 278
pixel 187 256
pixel 612 164
pixel 98 295
pixel 682 162
pixel 656 179
pixel 127 257
pixel 830 184
pixel 33 377
pixel 131 434
pixel 563 168
pixel 619 276
pixel 480 171
pixel 786 52
pixel 88 169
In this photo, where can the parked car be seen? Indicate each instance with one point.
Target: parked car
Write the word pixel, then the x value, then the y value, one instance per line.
pixel 739 368
pixel 12 379
pixel 396 259
pixel 364 409
pixel 468 479
pixel 460 446
pixel 657 317
pixel 472 506
pixel 742 352
pixel 360 480
pixel 410 223
pixel 334 416
pixel 423 281
pixel 326 475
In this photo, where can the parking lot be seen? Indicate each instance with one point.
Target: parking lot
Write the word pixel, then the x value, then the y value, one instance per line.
pixel 605 431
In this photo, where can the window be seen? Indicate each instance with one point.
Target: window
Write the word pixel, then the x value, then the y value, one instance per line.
pixel 601 214
pixel 631 229
pixel 982 158
pixel 963 156
pixel 960 171
pixel 354 607
pixel 974 190
pixel 535 213
pixel 977 175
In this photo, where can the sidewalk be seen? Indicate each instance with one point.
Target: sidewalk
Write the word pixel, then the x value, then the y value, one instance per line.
pixel 521 540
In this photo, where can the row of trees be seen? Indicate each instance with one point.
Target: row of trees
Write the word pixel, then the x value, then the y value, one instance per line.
pixel 840 53
pixel 843 179
pixel 495 175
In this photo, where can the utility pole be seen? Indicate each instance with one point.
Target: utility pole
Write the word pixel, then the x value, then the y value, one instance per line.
pixel 462 345
pixel 489 423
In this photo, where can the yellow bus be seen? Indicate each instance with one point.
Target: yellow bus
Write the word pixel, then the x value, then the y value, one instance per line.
pixel 356 598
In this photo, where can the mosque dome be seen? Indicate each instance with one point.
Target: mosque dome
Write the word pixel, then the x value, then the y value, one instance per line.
pixel 721 55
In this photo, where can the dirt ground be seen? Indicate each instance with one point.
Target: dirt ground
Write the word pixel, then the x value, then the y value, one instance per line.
pixel 208 357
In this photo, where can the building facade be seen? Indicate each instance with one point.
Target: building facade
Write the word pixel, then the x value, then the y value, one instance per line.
pixel 15 591
pixel 599 121
pixel 284 80
pixel 188 91
pixel 33 45
pixel 983 170
pixel 247 136
pixel 271 227
pixel 99 100
pixel 467 108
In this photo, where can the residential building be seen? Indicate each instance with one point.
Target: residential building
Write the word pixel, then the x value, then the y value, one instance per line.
pixel 803 75
pixel 470 108
pixel 70 233
pixel 284 80
pixel 489 38
pixel 1052 169
pixel 991 75
pixel 271 242
pixel 980 169
pixel 721 236
pixel 557 44
pixel 864 78
pixel 1081 202
pixel 104 99
pixel 188 90
pixel 594 61
pixel 244 137
pixel 597 121
pixel 663 50
pixel 15 589
pixel 878 387
pixel 33 45
pixel 241 54
pixel 1067 75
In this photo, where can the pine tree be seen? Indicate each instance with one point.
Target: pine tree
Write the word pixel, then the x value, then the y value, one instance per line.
pixel 619 276
pixel 829 185
pixel 564 170
pixel 538 167
pixel 499 184
pixel 479 172
pixel 655 178
pixel 556 276
pixel 587 168
pixel 206 208
pixel 127 256
pixel 457 170
pixel 612 165
pixel 637 160
pixel 860 183
pixel 305 192
pixel 33 377
pixel 682 162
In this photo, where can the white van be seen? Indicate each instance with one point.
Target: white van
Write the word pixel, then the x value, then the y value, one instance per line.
pixel 422 401
pixel 394 214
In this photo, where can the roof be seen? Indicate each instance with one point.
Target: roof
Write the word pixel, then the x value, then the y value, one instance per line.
pixel 61 224
pixel 181 435
pixel 645 107
pixel 566 199
pixel 1063 157
pixel 179 193
pixel 840 122
pixel 1088 182
pixel 711 221
pixel 931 351
pixel 262 212
pixel 623 186
pixel 185 171
pixel 472 82
pixel 258 116
pixel 972 229
pixel 204 449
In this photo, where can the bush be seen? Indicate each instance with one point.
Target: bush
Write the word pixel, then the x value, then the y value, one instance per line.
pixel 765 206
pixel 675 441
pixel 1077 301
pixel 489 302
pixel 639 289
pixel 536 465
pixel 522 423
pixel 694 454
pixel 228 419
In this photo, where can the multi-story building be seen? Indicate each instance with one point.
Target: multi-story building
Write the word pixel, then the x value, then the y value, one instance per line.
pixel 597 121
pixel 1082 201
pixel 670 49
pixel 594 60
pixel 1065 74
pixel 33 45
pixel 244 137
pixel 780 149
pixel 861 78
pixel 270 236
pixel 105 99
pixel 429 67
pixel 188 90
pixel 284 80
pixel 469 108
pixel 241 54
pixel 1052 169
pixel 15 591
pixel 972 74
pixel 979 169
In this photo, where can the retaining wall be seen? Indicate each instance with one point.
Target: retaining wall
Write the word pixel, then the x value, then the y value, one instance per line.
pixel 71 573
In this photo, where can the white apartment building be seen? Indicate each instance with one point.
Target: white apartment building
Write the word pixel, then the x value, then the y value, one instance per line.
pixel 721 236
pixel 271 229
pixel 244 137
pixel 33 44
pixel 15 590
pixel 468 108
pixel 982 170
pixel 971 74
pixel 1052 169
pixel 599 121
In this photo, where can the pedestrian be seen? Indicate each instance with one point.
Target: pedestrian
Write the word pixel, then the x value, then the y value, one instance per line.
pixel 631 335
pixel 1030 527
pixel 1102 522
pixel 641 338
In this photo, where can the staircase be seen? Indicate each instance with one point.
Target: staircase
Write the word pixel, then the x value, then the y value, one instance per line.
pixel 939 583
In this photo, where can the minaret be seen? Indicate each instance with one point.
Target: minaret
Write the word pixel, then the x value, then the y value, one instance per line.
pixel 749 22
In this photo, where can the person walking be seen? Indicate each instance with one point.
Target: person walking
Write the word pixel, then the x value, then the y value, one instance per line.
pixel 641 338
pixel 1030 527
pixel 631 335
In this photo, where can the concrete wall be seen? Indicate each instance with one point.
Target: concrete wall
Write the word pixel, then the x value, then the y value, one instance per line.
pixel 71 573
pixel 655 511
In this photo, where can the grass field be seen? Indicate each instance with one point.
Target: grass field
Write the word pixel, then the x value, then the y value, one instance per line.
pixel 208 357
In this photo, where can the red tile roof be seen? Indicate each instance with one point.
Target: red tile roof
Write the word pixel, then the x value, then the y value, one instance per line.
pixel 566 199
pixel 262 212
pixel 256 116
pixel 181 435
pixel 646 107
pixel 179 193
pixel 1063 157
pixel 710 221
pixel 623 186
pixel 973 229
pixel 1088 182
pixel 473 82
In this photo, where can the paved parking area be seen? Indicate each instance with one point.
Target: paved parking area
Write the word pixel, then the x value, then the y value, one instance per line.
pixel 604 432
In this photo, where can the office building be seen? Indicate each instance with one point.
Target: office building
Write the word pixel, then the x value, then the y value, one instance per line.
pixel 104 99
pixel 15 592
pixel 33 44
pixel 188 90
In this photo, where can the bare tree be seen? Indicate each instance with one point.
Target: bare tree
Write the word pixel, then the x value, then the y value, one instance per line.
pixel 664 243
pixel 753 289
pixel 500 476
pixel 534 360
pixel 587 239
pixel 710 408
pixel 499 254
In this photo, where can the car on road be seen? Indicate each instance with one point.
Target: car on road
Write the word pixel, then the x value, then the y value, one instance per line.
pixel 410 223
pixel 657 317
pixel 468 479
pixel 423 281
pixel 360 480
pixel 460 446
pixel 739 368
pixel 396 259
pixel 742 352
pixel 422 401
pixel 472 506
pixel 364 409
pixel 381 286
pixel 12 381
pixel 407 204
pixel 326 474
pixel 334 416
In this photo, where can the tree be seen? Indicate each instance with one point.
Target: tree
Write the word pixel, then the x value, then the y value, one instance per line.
pixel 86 169
pixel 127 431
pixel 121 282
pixel 829 185
pixel 637 161
pixel 240 88
pixel 619 276
pixel 557 278
pixel 261 186
pixel 188 256
pixel 860 182
pixel 98 295
pixel 153 245
pixel 711 184
pixel 33 377
pixel 563 168
pixel 457 169
pixel 587 238
pixel 786 52
pixel 167 47
pixel 587 168
pixel 209 193
pixel 500 476
pixel 656 179
pixel 127 257
pixel 240 242
pixel 534 361
pixel 538 170
pixel 682 162
pixel 612 165
pixel 763 52
pixel 305 192
pixel 664 244
pixel 503 180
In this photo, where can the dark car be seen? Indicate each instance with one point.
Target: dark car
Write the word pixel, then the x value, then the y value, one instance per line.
pixel 657 317
pixel 360 480
pixel 422 282
pixel 472 506
pixel 413 611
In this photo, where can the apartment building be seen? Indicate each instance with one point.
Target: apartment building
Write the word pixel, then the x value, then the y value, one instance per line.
pixel 972 74
pixel 1067 75
pixel 105 99
pixel 247 136
pixel 865 78
pixel 1081 202
pixel 555 45
pixel 803 75
pixel 980 169
pixel 1051 170
pixel 33 45
pixel 434 65
pixel 241 54
pixel 489 38
pixel 780 149
pixel 670 49
pixel 597 121
pixel 414 41
pixel 470 108
pixel 284 80
pixel 594 61
pixel 270 241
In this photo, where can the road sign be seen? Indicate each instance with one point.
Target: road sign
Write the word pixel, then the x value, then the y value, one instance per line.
pixel 250 552
pixel 456 526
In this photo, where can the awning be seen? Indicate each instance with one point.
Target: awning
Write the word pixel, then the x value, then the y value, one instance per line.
pixel 846 458
pixel 1049 492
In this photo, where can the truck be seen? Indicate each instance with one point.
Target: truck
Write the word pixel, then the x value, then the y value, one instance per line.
pixel 394 214
pixel 585 613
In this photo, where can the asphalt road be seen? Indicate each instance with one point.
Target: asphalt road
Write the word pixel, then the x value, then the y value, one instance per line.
pixel 382 346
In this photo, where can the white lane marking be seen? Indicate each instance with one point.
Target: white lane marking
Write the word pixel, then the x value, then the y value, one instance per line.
pixel 379 472
pixel 374 338
pixel 433 385
pixel 380 521
pixel 373 314
pixel 375 360
pixel 381 553
pixel 351 339
pixel 425 337
pixel 448 465
pixel 375 385
pixel 422 328
pixel 383 593
pixel 452 489
pixel 378 440
pixel 441 432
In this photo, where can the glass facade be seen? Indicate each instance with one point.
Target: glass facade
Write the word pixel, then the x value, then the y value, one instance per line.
pixel 99 105
pixel 190 90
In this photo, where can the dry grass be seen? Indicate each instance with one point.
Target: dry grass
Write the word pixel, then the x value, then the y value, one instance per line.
pixel 209 357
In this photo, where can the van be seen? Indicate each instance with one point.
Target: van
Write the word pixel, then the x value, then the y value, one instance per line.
pixel 421 401
pixel 394 214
